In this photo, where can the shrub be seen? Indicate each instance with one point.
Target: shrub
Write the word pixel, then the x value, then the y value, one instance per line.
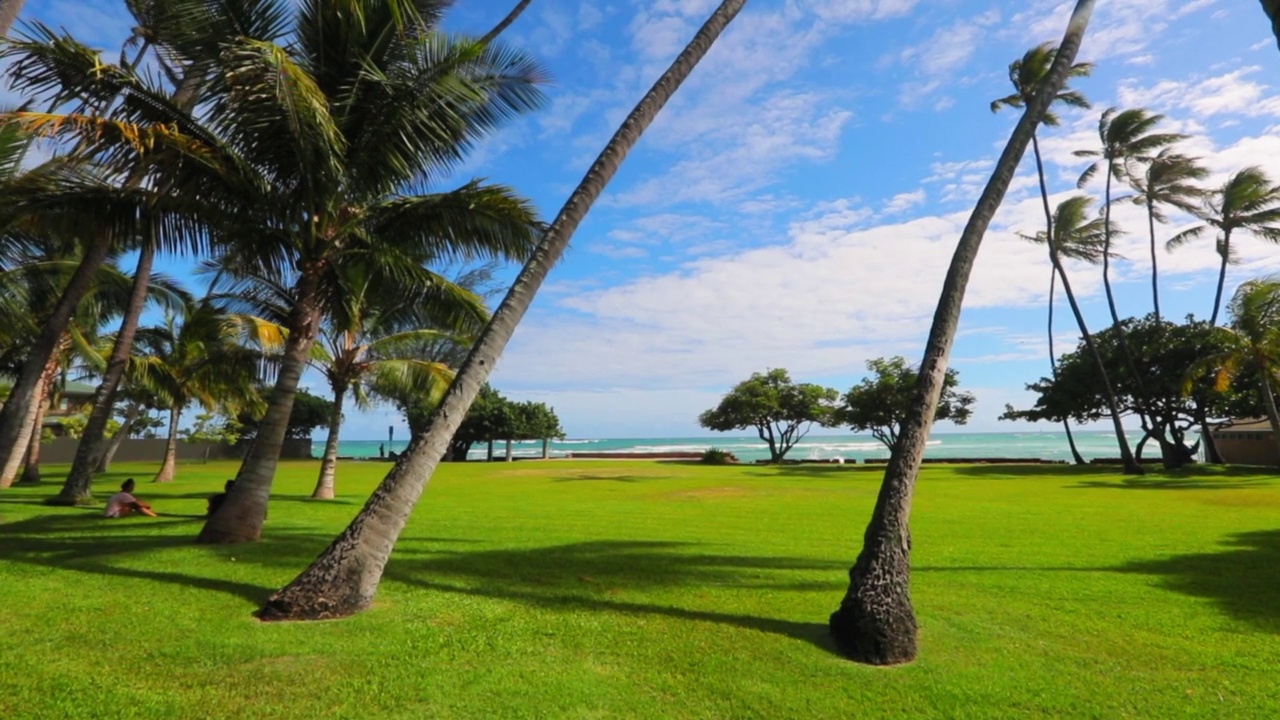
pixel 716 456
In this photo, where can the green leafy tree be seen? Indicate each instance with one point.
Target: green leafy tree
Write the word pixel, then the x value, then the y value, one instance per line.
pixel 1250 344
pixel 214 429
pixel 1247 202
pixel 876 622
pixel 1165 354
pixel 345 577
pixel 880 403
pixel 309 413
pixel 780 411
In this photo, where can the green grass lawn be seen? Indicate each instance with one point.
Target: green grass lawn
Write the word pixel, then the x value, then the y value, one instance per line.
pixel 645 589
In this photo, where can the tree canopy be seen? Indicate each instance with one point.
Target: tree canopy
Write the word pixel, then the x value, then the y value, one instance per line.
pixel 781 412
pixel 880 403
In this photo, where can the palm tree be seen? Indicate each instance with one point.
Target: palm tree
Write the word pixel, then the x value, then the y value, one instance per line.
pixel 1253 341
pixel 875 622
pixel 200 360
pixel 1127 141
pixel 1027 75
pixel 1074 235
pixel 1247 202
pixel 1169 181
pixel 344 579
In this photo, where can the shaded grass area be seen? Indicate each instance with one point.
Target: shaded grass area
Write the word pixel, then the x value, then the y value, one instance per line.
pixel 648 589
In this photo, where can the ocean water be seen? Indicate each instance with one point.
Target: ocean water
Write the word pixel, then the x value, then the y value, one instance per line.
pixel 1041 445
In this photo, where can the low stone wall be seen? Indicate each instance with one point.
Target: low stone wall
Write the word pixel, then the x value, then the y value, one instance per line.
pixel 63 450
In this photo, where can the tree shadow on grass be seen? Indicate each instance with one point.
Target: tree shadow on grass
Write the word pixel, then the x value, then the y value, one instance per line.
pixel 1221 483
pixel 587 576
pixel 83 541
pixel 1243 581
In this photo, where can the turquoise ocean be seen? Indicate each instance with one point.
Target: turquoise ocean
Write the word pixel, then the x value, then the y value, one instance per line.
pixel 1041 445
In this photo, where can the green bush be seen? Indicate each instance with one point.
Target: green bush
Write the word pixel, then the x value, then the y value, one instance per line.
pixel 716 456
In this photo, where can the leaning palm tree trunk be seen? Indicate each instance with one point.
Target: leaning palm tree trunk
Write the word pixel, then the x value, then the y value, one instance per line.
pixel 16 413
pixel 329 465
pixel 1076 457
pixel 1053 277
pixel 875 622
pixel 31 467
pixel 77 488
pixel 345 577
pixel 9 10
pixel 1155 272
pixel 169 467
pixel 9 471
pixel 1131 465
pixel 242 514
pixel 1225 250
pixel 131 414
pixel 505 22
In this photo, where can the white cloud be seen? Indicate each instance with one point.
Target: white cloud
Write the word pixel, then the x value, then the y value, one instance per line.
pixel 1232 93
pixel 904 201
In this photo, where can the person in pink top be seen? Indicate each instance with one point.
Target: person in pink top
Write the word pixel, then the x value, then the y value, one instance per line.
pixel 123 502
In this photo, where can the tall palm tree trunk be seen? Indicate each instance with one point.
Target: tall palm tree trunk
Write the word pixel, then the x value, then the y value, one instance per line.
pixel 1131 466
pixel 16 413
pixel 241 516
pixel 9 11
pixel 1106 245
pixel 329 464
pixel 1053 277
pixel 31 467
pixel 875 622
pixel 1225 251
pixel 345 577
pixel 1155 272
pixel 131 414
pixel 1076 457
pixel 93 443
pixel 9 471
pixel 169 467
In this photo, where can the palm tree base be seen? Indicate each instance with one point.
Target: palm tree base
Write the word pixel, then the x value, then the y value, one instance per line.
pixel 71 500
pixel 875 625
pixel 322 494
pixel 315 595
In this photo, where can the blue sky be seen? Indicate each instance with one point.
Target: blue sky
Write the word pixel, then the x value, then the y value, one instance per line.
pixel 797 203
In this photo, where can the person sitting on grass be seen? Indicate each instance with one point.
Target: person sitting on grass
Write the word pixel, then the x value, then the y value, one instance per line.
pixel 123 502
pixel 215 501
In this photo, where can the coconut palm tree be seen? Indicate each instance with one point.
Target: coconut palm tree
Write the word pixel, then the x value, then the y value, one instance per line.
pixel 375 328
pixel 1169 180
pixel 1127 142
pixel 1246 202
pixel 200 360
pixel 1075 235
pixel 875 622
pixel 1253 341
pixel 1027 74
pixel 344 579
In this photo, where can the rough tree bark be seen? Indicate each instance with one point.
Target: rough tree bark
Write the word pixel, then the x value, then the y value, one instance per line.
pixel 329 464
pixel 345 577
pixel 242 514
pixel 44 383
pixel 875 622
